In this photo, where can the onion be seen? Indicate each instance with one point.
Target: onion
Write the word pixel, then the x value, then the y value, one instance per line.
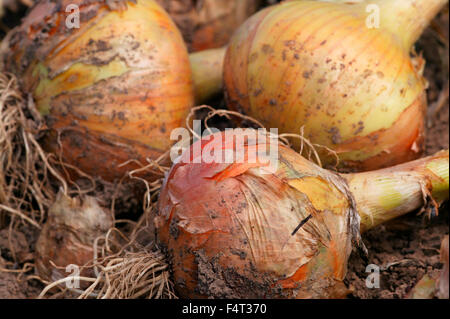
pixel 109 91
pixel 209 24
pixel 328 67
pixel 240 230
pixel 68 236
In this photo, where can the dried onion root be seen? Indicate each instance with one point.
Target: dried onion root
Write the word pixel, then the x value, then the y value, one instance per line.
pixel 122 268
pixel 29 182
pixel 26 190
pixel 135 272
pixel 113 264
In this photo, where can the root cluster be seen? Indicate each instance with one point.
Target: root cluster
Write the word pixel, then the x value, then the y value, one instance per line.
pixel 26 189
pixel 126 261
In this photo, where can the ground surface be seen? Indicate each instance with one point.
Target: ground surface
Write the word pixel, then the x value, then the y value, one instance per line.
pixel 406 249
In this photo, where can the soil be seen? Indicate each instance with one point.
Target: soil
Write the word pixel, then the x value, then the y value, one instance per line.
pixel 16 252
pixel 405 249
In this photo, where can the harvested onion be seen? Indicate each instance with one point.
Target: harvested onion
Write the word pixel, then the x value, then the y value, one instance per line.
pixel 207 73
pixel 109 91
pixel 238 230
pixel 68 236
pixel 329 66
pixel 209 24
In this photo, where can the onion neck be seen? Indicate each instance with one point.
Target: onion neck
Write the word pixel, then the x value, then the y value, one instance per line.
pixel 407 18
pixel 207 69
pixel 390 193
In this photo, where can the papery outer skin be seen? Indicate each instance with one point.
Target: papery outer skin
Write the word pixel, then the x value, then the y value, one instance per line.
pixel 113 89
pixel 316 64
pixel 209 24
pixel 68 236
pixel 237 220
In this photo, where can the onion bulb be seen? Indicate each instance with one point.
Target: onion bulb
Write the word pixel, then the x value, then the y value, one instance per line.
pixel 68 236
pixel 209 24
pixel 241 230
pixel 111 89
pixel 340 69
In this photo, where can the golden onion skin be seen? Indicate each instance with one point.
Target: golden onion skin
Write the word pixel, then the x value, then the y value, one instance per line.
pixel 209 24
pixel 110 91
pixel 228 228
pixel 316 64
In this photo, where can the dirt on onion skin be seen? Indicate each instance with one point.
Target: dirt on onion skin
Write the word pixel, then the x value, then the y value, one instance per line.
pixel 219 283
pixel 410 244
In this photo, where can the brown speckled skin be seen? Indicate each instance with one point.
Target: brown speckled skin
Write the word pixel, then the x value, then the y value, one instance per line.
pixel 112 90
pixel 316 65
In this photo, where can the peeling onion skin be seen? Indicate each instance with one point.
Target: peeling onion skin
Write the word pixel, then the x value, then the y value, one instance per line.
pixel 227 228
pixel 316 64
pixel 209 24
pixel 111 90
pixel 68 236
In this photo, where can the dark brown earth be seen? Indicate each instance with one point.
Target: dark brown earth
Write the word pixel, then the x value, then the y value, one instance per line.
pixel 16 251
pixel 406 249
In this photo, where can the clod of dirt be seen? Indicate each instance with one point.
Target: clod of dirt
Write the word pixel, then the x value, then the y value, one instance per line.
pixel 11 288
pixel 14 246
